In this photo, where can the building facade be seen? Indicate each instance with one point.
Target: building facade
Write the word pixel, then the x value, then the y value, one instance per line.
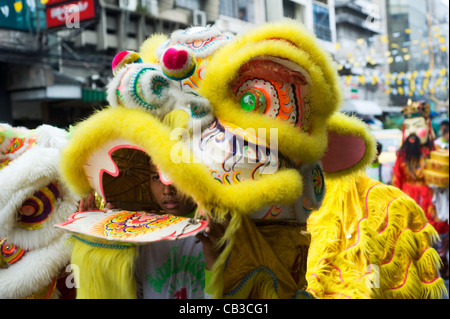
pixel 360 52
pixel 418 37
pixel 58 59
pixel 317 16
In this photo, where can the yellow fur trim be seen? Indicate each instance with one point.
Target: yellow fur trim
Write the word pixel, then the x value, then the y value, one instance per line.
pixel 103 273
pixel 216 284
pixel 345 125
pixel 370 240
pixel 147 51
pixel 177 119
pixel 192 177
pixel 325 95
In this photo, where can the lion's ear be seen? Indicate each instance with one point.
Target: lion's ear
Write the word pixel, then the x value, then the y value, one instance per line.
pixel 351 146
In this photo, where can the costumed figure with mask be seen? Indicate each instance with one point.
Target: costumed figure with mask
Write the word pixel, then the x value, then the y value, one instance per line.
pixel 276 161
pixel 419 168
pixel 34 260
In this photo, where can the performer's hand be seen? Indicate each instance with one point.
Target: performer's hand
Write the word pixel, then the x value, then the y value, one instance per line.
pixel 89 204
pixel 210 238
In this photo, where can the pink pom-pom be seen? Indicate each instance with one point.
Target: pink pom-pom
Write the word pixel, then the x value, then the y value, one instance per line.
pixel 123 58
pixel 178 63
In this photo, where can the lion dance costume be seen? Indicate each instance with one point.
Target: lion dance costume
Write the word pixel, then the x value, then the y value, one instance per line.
pixel 262 144
pixel 33 254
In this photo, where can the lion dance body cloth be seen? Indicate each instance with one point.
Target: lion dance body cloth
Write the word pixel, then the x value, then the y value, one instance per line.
pixel 248 126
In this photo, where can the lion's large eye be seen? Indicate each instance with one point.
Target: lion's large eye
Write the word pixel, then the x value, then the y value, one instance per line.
pixel 29 207
pixel 276 88
pixel 253 100
pixel 37 208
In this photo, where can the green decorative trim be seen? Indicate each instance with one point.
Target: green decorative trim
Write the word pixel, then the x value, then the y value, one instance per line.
pixel 100 245
pixel 134 89
pixel 158 85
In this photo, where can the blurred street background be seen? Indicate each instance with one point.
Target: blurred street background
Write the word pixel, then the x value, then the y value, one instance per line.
pixel 55 55
pixel 55 63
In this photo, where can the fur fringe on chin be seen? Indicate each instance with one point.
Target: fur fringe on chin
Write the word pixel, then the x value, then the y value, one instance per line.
pixel 103 272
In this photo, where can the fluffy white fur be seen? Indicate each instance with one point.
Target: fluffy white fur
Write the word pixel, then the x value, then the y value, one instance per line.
pixel 124 78
pixel 50 136
pixel 35 270
pixel 172 98
pixel 46 253
pixel 8 133
pixel 111 91
pixel 187 102
pixel 32 171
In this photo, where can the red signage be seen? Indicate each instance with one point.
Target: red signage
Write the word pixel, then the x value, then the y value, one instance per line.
pixel 69 14
pixel 52 2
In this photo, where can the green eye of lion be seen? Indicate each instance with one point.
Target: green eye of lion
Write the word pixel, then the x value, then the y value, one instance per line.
pixel 253 100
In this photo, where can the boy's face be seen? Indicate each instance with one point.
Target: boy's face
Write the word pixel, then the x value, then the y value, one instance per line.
pixel 167 197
